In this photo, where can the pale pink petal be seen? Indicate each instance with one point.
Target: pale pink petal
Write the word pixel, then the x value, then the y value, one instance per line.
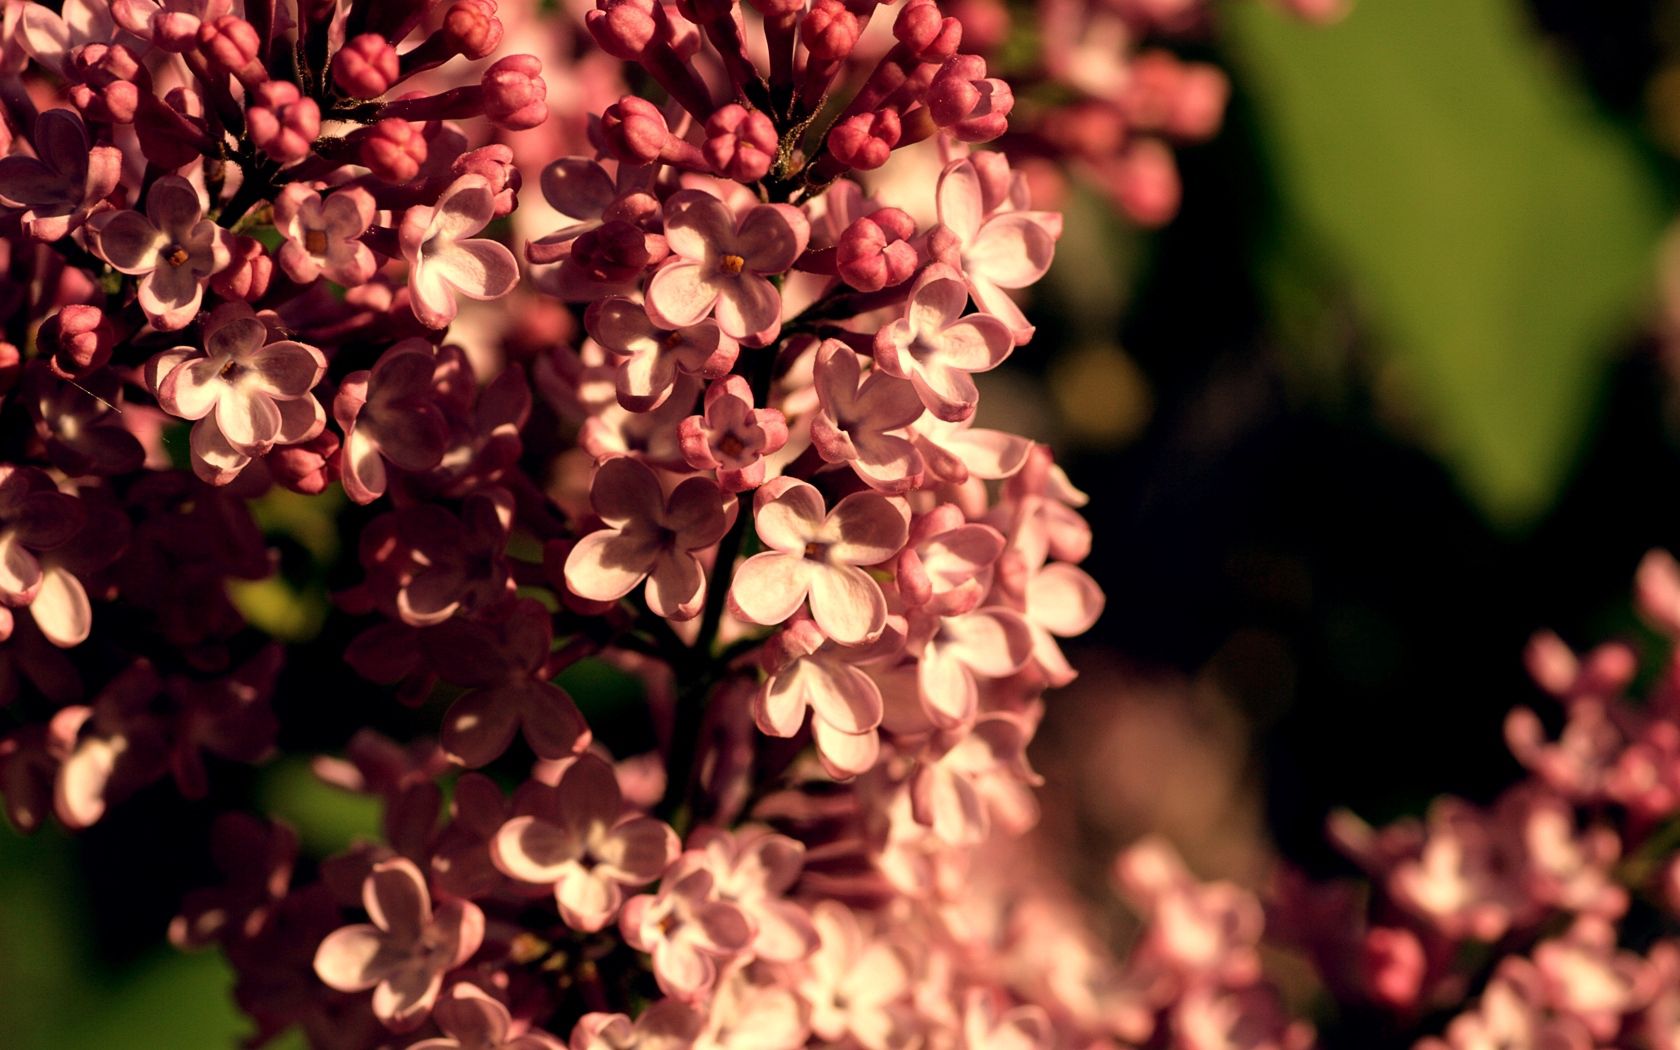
pixel 679 294
pixel 770 587
pixel 607 565
pixel 350 959
pixel 1064 599
pixel 533 850
pixel 1011 250
pixel 845 754
pixel 847 604
pixel 61 608
pixel 960 200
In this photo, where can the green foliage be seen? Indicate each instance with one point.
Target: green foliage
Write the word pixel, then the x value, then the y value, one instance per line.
pixel 1497 231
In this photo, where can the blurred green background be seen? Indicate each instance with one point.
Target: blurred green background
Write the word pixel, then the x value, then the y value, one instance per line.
pixel 1393 391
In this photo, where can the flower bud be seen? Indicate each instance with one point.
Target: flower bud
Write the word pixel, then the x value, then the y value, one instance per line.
pixel 230 44
pixel 308 467
pixel 394 150
pixel 1145 182
pixel 927 32
pixel 112 80
pixel 282 123
pixel 966 102
pixel 77 340
pixel 740 143
pixel 495 163
pixel 875 251
pixel 624 29
pixel 248 272
pixel 515 97
pixel 829 31
pixel 471 28
pixel 865 141
pixel 366 66
pixel 634 130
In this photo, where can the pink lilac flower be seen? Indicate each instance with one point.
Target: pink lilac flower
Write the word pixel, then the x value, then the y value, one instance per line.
pixel 956 653
pixel 648 358
pixel 445 260
pixel 687 930
pixel 755 869
pixel 245 393
pixel 665 1025
pixel 500 659
pixel 818 554
pixel 323 235
pixel 857 985
pixel 405 951
pixel 731 436
pixel 722 266
pixel 67 177
pixel 472 1020
pixel 937 347
pixel 992 249
pixel 863 420
pixel 387 416
pixel 576 837
pixel 173 249
pixel 649 536
pixel 806 670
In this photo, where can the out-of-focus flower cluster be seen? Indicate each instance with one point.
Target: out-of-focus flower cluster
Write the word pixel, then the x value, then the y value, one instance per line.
pixel 1550 917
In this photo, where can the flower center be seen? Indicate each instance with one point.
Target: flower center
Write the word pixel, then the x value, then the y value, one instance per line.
pixel 732 264
pixel 730 445
pixel 229 371
pixel 315 242
pixel 816 551
pixel 175 255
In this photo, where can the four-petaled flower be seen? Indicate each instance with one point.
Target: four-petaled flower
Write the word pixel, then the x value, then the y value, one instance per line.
pixel 649 358
pixel 58 186
pixel 648 537
pixel 732 437
pixel 576 837
pixel 404 953
pixel 323 236
pixel 247 394
pixel 172 248
pixel 472 1020
pixel 723 267
pixel 443 256
pixel 388 414
pixel 936 347
pixel 862 420
pixel 819 554
pixel 993 243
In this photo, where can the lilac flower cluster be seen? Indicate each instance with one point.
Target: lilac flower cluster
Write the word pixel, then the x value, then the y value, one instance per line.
pixel 243 248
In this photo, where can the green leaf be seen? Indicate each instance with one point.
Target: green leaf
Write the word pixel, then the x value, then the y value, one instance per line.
pixel 1496 231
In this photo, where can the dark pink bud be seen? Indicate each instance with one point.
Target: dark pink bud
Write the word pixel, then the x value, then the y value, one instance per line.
pixel 175 31
pixel 282 123
pixel 231 45
pixel 308 467
pixel 740 143
pixel 111 81
pixel 866 140
pixel 393 150
pixel 366 66
pixel 924 29
pixel 1145 182
pixel 471 28
pixel 515 97
pixel 247 274
pixel 634 130
pixel 829 31
pixel 623 28
pixel 875 251
pixel 777 8
pixel 495 163
pixel 77 340
pixel 971 105
pixel 613 252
